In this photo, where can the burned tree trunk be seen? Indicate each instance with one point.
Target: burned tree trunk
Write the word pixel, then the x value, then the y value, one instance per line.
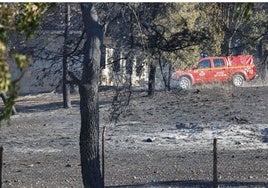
pixel 65 85
pixel 88 89
pixel 151 82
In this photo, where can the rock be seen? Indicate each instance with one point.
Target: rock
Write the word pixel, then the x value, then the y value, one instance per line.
pixel 196 91
pixel 149 140
pixel 237 143
pixel 240 120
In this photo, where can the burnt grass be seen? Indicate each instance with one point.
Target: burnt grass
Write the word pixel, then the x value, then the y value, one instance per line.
pixel 41 146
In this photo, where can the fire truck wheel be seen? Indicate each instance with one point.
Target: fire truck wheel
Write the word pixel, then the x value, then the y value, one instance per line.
pixel 238 80
pixel 185 83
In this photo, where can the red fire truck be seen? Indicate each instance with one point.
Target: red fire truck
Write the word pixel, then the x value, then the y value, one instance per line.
pixel 234 69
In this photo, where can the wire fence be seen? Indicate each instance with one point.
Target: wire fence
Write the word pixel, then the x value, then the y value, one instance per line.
pixel 216 167
pixel 41 169
pixel 175 168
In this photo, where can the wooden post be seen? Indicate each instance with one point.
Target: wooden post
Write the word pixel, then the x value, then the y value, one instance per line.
pixel 1 164
pixel 215 163
pixel 103 155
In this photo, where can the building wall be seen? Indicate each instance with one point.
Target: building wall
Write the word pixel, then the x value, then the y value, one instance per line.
pixel 34 79
pixel 110 76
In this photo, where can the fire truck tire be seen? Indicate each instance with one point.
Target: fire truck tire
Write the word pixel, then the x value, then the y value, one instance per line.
pixel 185 83
pixel 238 80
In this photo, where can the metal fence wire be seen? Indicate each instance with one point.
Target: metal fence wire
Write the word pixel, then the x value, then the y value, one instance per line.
pixel 134 167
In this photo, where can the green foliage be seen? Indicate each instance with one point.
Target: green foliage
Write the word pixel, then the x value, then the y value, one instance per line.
pixel 244 9
pixel 245 26
pixel 13 90
pixel 4 69
pixel 28 17
pixel 211 19
pixel 21 61
pixel 187 31
pixel 21 18
pixel 4 76
pixel 178 32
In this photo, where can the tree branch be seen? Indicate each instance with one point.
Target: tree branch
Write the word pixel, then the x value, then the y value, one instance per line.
pixel 75 80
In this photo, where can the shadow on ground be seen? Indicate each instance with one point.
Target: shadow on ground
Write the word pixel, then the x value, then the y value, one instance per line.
pixel 193 183
pixel 42 107
pixel 50 106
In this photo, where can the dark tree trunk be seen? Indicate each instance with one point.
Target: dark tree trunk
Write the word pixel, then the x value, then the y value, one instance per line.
pixel 227 44
pixel 262 56
pixel 165 75
pixel 88 89
pixel 169 77
pixel 151 83
pixel 65 84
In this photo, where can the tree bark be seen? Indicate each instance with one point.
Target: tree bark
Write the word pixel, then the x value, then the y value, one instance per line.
pixel 65 85
pixel 262 56
pixel 169 77
pixel 151 83
pixel 89 109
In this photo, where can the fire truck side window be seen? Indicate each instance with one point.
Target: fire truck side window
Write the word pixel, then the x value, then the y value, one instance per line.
pixel 204 64
pixel 218 62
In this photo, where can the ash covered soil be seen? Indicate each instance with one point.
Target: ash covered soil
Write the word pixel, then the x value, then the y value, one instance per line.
pixel 164 141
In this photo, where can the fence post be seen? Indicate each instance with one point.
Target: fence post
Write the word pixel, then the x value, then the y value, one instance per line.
pixel 215 163
pixel 103 155
pixel 1 164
